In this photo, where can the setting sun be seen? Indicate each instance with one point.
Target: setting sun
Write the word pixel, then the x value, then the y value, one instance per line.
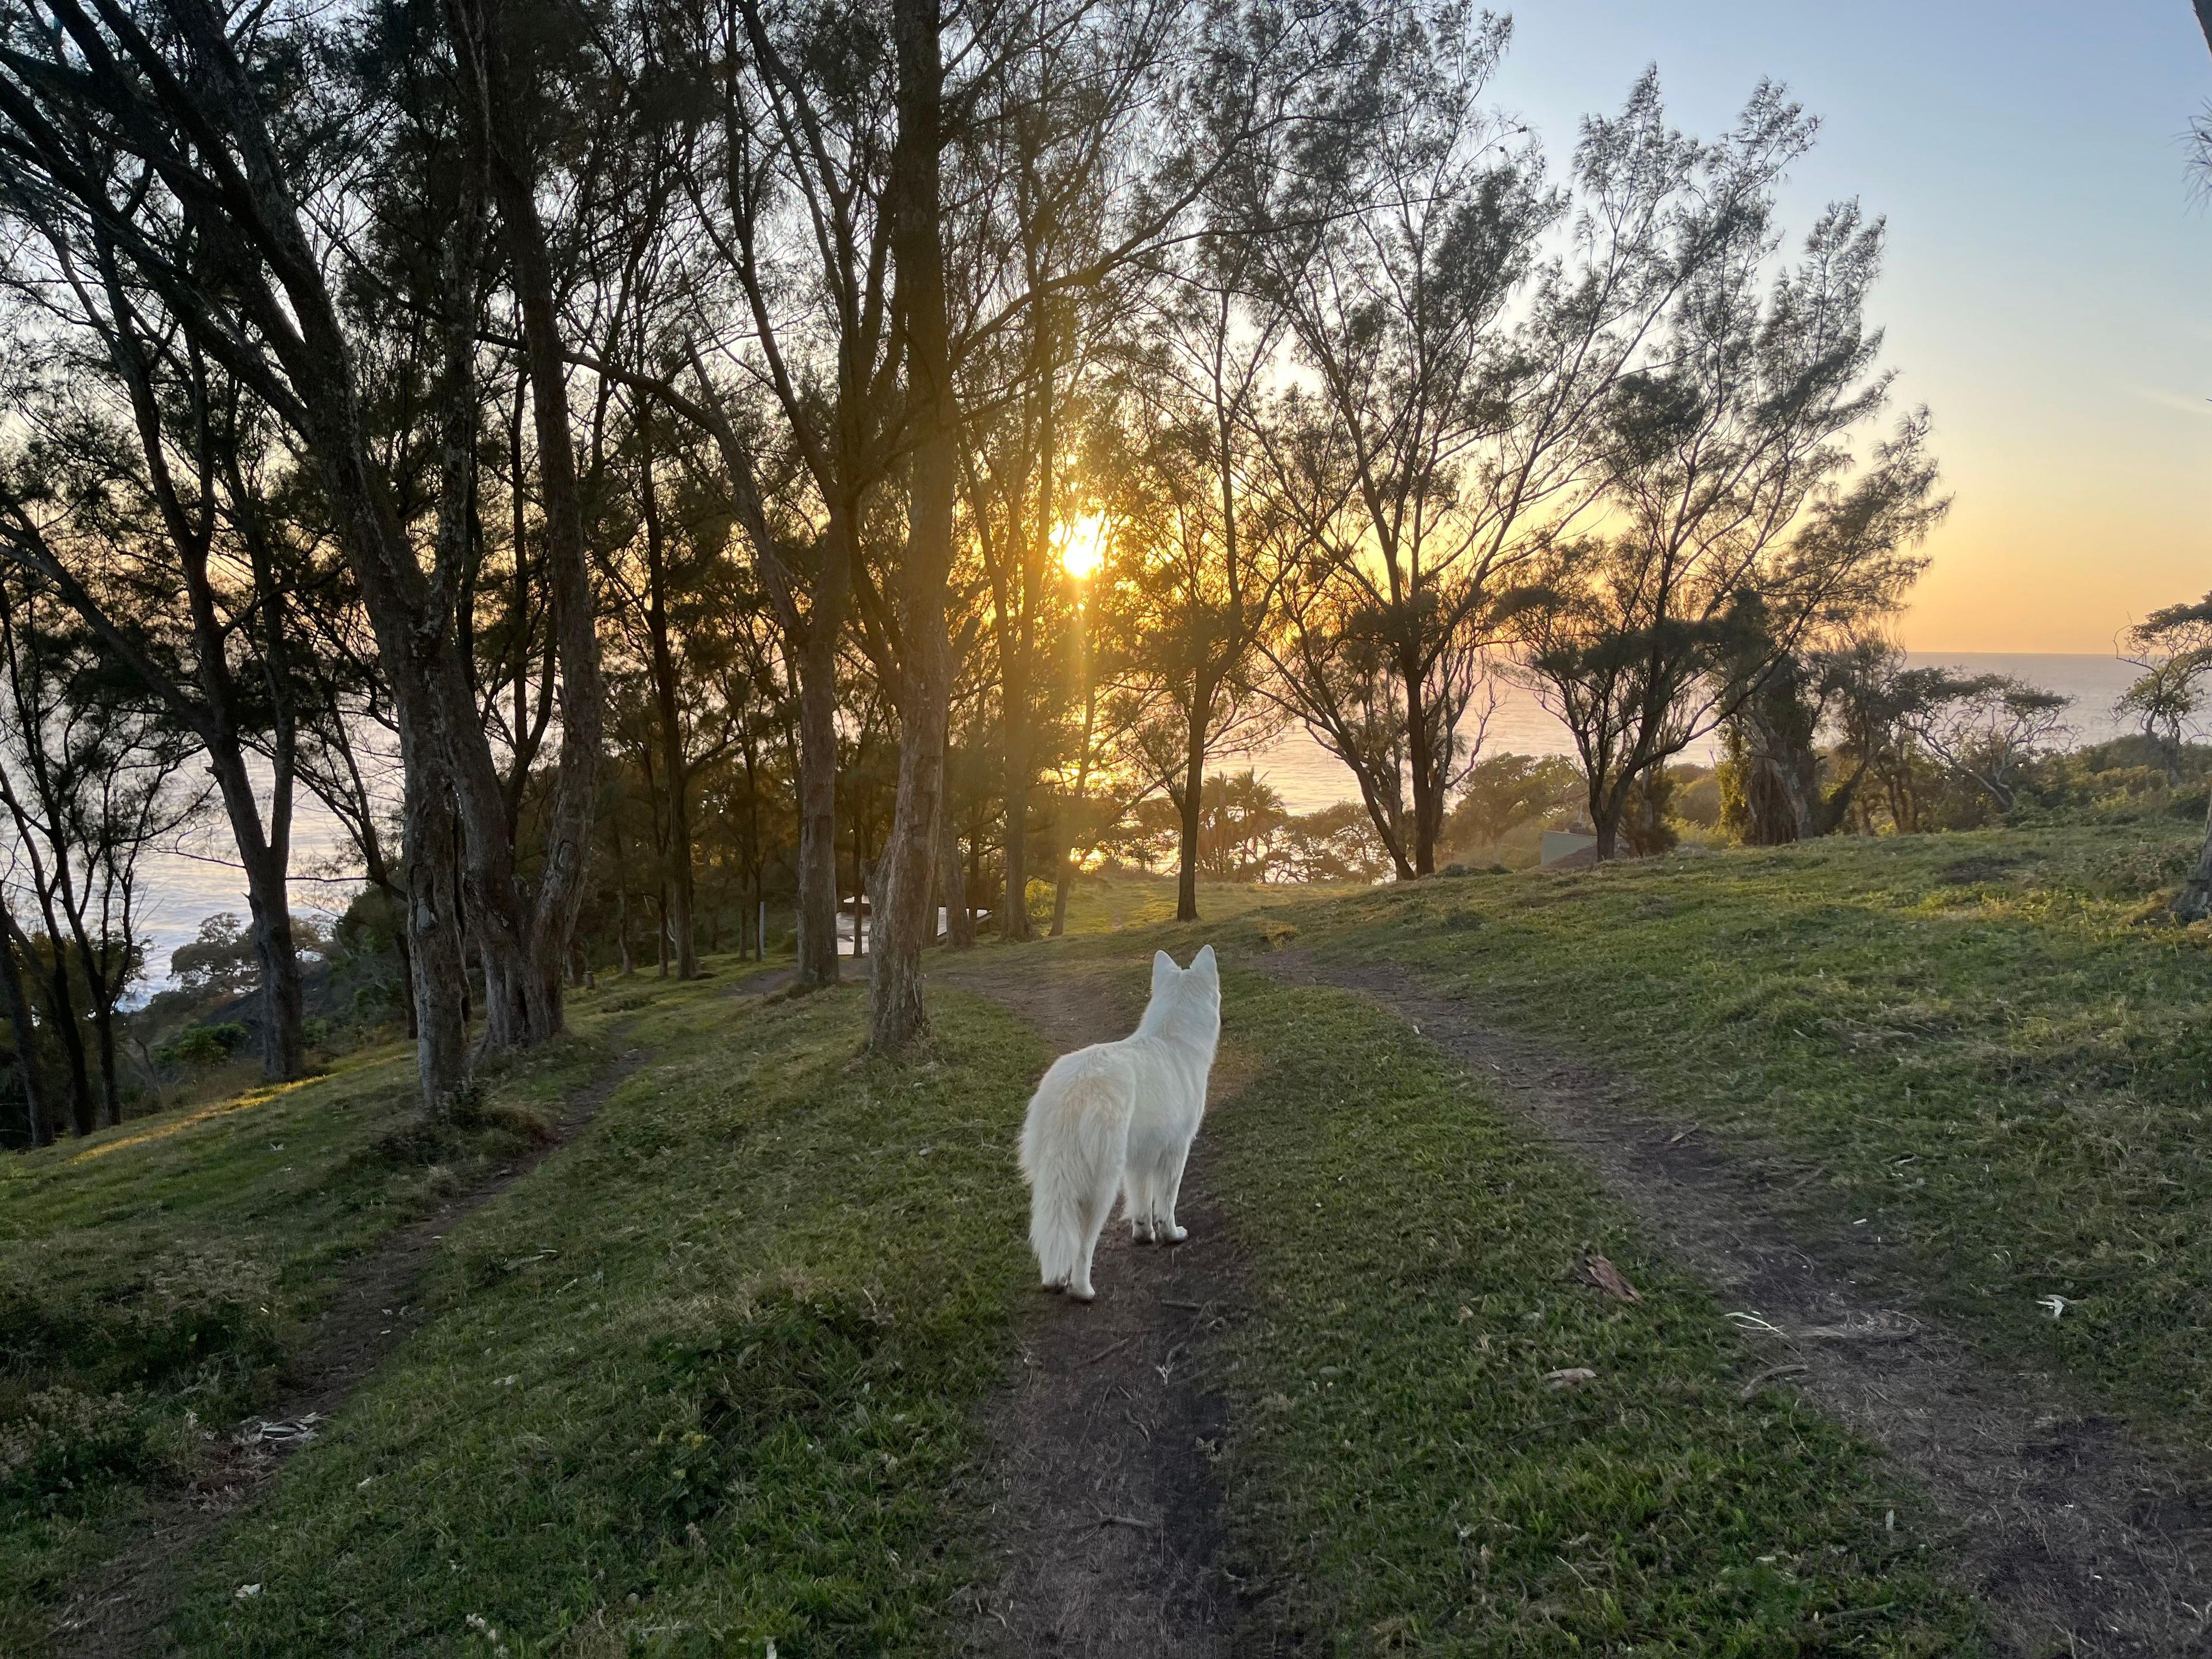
pixel 1082 545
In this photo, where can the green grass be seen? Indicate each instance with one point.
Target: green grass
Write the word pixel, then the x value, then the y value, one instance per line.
pixel 710 1378
pixel 154 1278
pixel 1398 1475
pixel 1103 901
pixel 1981 1047
pixel 714 1374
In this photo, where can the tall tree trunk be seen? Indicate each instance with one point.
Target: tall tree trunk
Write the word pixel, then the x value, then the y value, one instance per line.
pixel 15 1003
pixel 1421 760
pixel 959 919
pixel 103 1033
pixel 681 887
pixel 439 978
pixel 818 770
pixel 404 948
pixel 530 1010
pixel 1192 801
pixel 1071 810
pixel 283 1042
pixel 61 1003
pixel 1014 920
pixel 77 1063
pixel 897 1018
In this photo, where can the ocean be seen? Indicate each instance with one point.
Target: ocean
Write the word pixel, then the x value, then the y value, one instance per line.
pixel 199 878
pixel 1309 776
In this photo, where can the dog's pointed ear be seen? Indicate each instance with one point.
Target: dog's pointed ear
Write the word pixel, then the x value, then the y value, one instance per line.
pixel 1164 970
pixel 1205 959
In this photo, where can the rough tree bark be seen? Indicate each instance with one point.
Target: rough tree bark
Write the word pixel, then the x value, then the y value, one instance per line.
pixel 897 1018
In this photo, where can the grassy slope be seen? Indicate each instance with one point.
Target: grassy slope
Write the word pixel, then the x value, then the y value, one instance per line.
pixel 710 1376
pixel 154 1277
pixel 1398 1475
pixel 1974 1041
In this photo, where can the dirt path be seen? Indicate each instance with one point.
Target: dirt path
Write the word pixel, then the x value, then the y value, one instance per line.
pixel 2083 1541
pixel 1108 1512
pixel 120 1609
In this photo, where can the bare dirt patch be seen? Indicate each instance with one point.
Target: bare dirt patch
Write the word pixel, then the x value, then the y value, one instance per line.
pixel 119 1608
pixel 1107 1508
pixel 2083 1539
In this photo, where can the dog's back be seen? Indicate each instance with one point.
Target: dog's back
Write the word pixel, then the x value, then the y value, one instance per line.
pixel 1116 1108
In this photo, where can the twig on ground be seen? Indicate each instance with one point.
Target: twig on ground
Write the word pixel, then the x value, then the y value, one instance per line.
pixel 1770 1374
pixel 1111 1348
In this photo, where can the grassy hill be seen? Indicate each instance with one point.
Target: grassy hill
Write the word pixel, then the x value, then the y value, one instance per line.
pixel 714 1374
pixel 1990 1048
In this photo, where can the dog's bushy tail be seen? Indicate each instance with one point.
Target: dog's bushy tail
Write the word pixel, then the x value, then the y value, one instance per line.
pixel 1075 1142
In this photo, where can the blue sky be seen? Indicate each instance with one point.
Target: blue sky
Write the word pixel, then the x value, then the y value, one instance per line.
pixel 2048 291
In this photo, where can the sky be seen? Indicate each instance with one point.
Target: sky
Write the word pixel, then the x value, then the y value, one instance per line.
pixel 2046 292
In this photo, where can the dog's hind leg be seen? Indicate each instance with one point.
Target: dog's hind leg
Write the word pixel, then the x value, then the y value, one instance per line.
pixel 1094 1222
pixel 1095 1211
pixel 1170 1188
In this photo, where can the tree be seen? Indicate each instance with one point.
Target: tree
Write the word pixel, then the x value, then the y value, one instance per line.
pixel 1199 555
pixel 1391 251
pixel 1501 792
pixel 218 962
pixel 1772 767
pixel 190 149
pixel 2174 648
pixel 88 780
pixel 1742 525
pixel 1983 726
pixel 129 527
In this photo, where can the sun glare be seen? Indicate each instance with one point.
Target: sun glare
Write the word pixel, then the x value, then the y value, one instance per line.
pixel 1082 545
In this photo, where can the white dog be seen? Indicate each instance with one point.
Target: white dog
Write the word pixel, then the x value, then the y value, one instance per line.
pixel 1120 1115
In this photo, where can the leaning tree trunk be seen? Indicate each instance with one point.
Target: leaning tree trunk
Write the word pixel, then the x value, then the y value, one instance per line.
pixel 15 1003
pixel 897 1018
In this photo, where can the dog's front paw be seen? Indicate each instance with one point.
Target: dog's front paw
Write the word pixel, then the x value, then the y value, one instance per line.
pixel 1175 1235
pixel 1140 1234
pixel 1082 1293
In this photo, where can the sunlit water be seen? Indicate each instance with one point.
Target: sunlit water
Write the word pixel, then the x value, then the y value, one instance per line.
pixel 201 878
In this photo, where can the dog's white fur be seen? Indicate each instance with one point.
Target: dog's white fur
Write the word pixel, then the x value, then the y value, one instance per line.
pixel 1120 1116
